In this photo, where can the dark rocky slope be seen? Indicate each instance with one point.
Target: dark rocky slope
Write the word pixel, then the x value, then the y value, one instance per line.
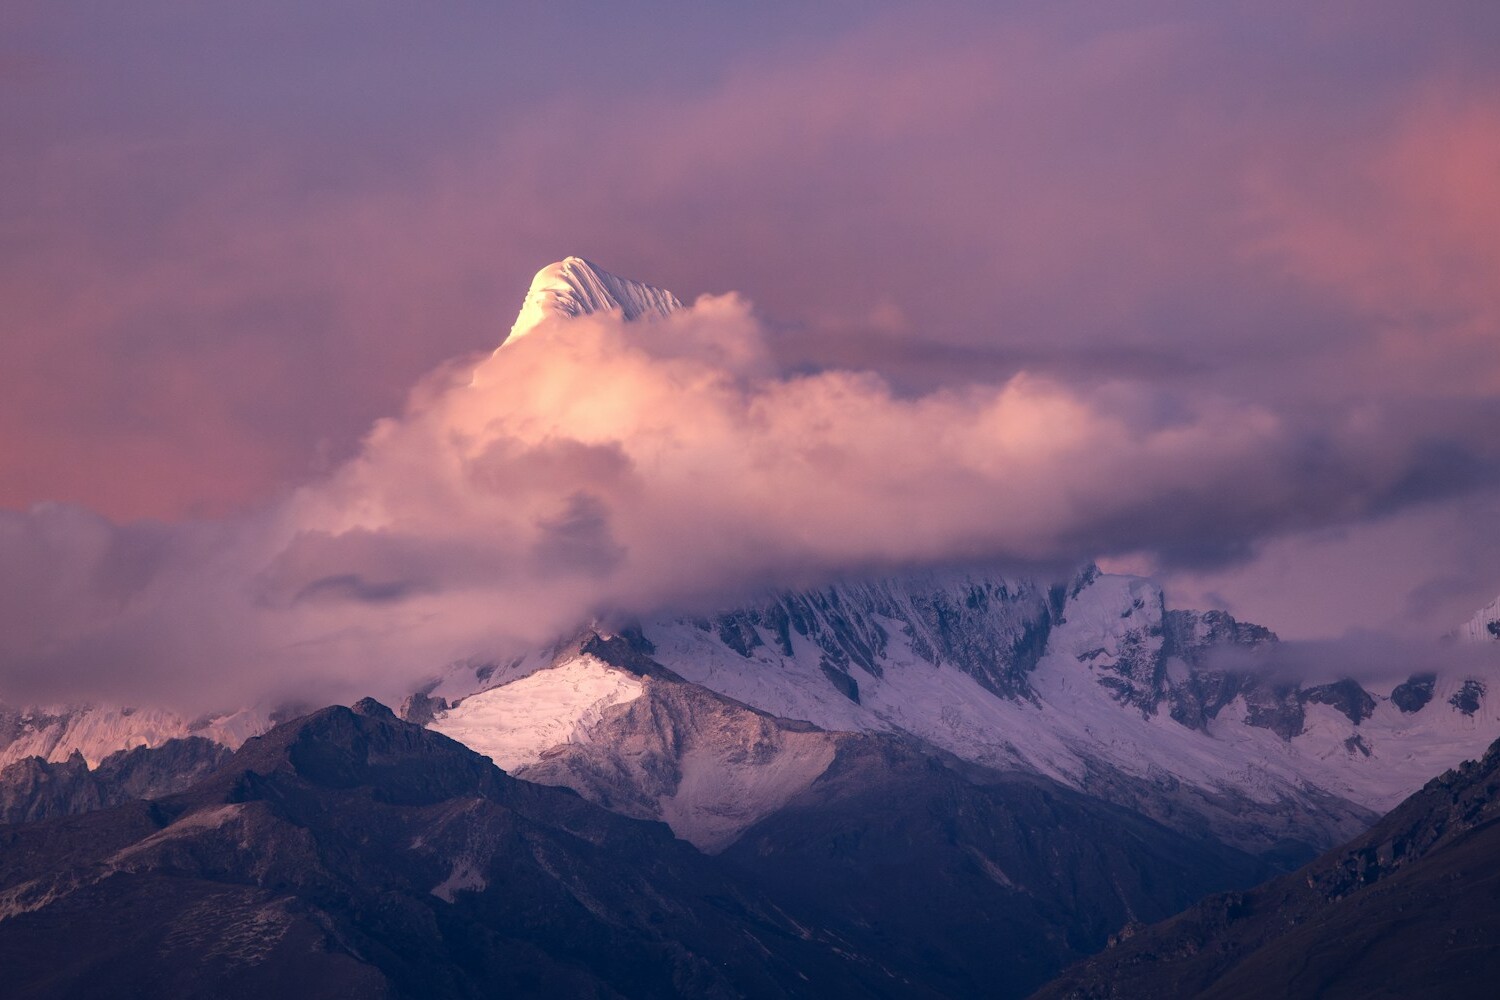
pixel 1410 909
pixel 33 789
pixel 972 882
pixel 967 880
pixel 349 854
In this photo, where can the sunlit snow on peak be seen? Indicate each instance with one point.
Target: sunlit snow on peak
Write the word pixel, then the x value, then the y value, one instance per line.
pixel 574 287
pixel 512 724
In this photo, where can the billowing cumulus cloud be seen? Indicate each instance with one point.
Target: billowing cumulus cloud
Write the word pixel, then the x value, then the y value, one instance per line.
pixel 214 211
pixel 598 467
pixel 1177 285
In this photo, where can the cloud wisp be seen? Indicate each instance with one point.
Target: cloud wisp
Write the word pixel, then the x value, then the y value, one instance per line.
pixel 1378 661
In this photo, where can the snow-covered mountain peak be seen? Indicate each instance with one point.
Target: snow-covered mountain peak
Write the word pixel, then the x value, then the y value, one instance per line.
pixel 574 287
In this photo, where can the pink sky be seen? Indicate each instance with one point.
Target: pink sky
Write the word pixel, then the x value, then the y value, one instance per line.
pixel 233 238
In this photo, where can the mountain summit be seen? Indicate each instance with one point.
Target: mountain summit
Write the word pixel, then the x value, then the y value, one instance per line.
pixel 574 287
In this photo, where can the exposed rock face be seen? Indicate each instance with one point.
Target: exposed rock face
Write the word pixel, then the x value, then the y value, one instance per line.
pixel 1275 706
pixel 419 708
pixel 1193 635
pixel 1137 668
pixel 1408 909
pixel 98 730
pixel 1346 696
pixel 994 630
pixel 1414 694
pixel 34 789
pixel 1469 697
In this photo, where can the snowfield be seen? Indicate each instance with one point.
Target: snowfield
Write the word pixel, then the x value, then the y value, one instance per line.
pixel 514 723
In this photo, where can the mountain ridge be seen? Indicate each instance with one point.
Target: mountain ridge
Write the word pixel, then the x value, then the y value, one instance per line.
pixel 1420 884
pixel 350 853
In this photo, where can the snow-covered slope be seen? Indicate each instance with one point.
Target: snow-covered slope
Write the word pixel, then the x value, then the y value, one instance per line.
pixel 1485 625
pixel 514 723
pixel 574 287
pixel 55 732
pixel 1094 683
pixel 1107 675
pixel 603 718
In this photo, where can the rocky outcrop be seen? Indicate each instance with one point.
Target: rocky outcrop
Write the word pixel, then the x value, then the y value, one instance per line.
pixel 1413 694
pixel 1469 697
pixel 707 766
pixel 994 630
pixel 1410 908
pixel 34 789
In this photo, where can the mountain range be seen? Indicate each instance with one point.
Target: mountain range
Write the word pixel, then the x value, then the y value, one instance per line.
pixel 349 853
pixel 942 782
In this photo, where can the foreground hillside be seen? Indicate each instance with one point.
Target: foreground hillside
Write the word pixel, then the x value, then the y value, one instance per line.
pixel 351 854
pixel 1410 909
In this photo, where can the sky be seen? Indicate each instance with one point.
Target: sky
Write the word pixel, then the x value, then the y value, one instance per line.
pixel 1207 291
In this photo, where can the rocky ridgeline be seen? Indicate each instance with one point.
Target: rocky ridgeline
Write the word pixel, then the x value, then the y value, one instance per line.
pixel 997 632
pixel 1407 909
pixel 994 630
pixel 34 789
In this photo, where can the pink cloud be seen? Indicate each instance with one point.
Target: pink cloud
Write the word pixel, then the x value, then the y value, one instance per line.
pixel 1144 281
pixel 601 468
pixel 1403 225
pixel 1028 191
